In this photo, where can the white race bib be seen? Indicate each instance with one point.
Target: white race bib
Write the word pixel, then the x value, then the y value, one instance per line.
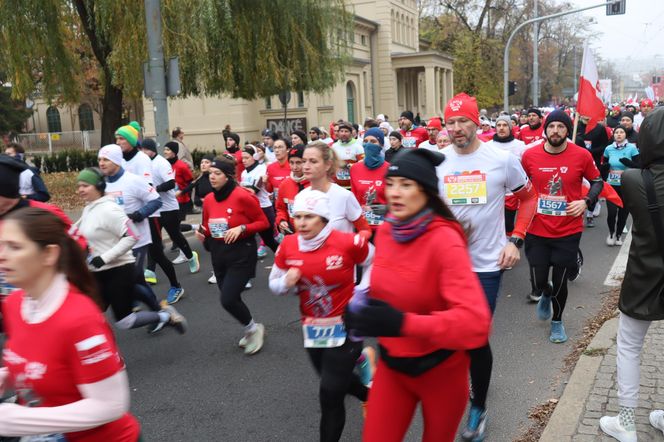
pixel 323 332
pixel 218 227
pixel 461 190
pixel 552 205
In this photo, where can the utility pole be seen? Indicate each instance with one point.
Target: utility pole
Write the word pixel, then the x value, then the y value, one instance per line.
pixel 536 57
pixel 156 71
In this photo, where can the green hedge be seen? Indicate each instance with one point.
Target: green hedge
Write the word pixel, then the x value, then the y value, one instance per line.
pixel 197 156
pixel 69 160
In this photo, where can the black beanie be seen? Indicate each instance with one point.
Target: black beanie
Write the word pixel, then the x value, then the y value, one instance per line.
pixel 173 146
pixel 150 144
pixel 408 115
pixel 296 151
pixel 10 170
pixel 317 130
pixel 226 165
pixel 396 134
pixel 208 156
pixel 628 115
pixel 236 137
pixel 534 110
pixel 300 134
pixel 561 117
pixel 418 165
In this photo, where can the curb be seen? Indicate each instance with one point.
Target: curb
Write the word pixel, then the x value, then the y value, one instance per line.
pixel 571 404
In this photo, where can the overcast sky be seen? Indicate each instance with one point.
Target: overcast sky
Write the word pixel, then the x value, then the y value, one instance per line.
pixel 639 32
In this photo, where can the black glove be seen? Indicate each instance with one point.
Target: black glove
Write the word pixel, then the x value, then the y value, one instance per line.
pixel 377 318
pixel 604 170
pixel 136 217
pixel 630 163
pixel 97 262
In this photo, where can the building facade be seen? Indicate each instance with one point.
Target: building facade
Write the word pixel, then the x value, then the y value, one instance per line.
pixel 391 70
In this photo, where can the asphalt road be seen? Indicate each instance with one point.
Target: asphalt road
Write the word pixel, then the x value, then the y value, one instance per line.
pixel 201 387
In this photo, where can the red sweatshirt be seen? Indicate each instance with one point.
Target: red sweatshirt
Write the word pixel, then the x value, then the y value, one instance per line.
pixel 443 301
pixel 528 135
pixel 286 196
pixel 276 174
pixel 368 186
pixel 413 137
pixel 183 178
pixel 239 167
pixel 241 207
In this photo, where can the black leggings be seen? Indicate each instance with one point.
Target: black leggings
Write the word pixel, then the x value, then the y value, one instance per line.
pixel 157 256
pixel 335 368
pixel 614 211
pixel 142 291
pixel 267 235
pixel 558 292
pixel 481 364
pixel 234 265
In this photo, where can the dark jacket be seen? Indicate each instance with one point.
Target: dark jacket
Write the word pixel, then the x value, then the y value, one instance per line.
pixel 598 139
pixel 613 122
pixel 642 292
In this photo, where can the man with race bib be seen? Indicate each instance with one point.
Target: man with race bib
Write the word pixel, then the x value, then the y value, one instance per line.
pixel 348 150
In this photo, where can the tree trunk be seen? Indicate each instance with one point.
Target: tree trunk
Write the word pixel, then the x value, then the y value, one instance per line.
pixel 111 114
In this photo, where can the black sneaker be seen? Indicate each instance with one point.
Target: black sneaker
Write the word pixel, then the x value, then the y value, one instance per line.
pixel 590 221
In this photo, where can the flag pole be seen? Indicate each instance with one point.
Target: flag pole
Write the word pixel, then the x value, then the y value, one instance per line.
pixel 576 126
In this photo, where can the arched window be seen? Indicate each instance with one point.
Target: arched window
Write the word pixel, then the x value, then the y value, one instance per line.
pixel 85 119
pixel 394 32
pixel 403 28
pixel 350 101
pixel 53 119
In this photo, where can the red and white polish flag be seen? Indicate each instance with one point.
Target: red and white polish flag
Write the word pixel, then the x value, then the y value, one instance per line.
pixel 590 102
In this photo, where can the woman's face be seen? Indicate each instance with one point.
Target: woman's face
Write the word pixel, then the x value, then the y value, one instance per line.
pixel 619 135
pixel 443 140
pixel 280 150
pixel 88 192
pixel 247 159
pixel 308 225
pixel 314 168
pixel 405 197
pixel 21 260
pixel 295 140
pixel 217 178
pixel 260 155
pixel 296 166
pixel 205 165
pixel 395 143
pixel 168 153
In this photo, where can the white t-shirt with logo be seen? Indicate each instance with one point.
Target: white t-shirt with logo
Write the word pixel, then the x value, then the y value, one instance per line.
pixel 162 171
pixel 140 165
pixel 474 187
pixel 516 147
pixel 132 193
pixel 255 179
pixel 427 145
pixel 344 208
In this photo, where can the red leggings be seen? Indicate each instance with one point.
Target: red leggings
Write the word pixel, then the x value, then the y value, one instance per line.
pixel 393 397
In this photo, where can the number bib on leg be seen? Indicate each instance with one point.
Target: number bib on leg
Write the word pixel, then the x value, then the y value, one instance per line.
pixel 323 332
pixel 552 205
pixel 461 190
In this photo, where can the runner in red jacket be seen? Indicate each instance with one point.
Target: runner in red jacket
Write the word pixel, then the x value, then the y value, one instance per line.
pixel 288 189
pixel 533 131
pixel 412 135
pixel 425 313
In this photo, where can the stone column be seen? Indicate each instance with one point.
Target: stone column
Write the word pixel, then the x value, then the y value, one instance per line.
pixel 430 82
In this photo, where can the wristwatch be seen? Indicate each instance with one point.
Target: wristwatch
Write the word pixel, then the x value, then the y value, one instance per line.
pixel 243 227
pixel 518 242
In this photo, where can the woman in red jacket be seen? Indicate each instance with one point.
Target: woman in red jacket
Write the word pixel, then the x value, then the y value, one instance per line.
pixel 425 313
pixel 231 218
pixel 318 263
pixel 60 356
pixel 288 189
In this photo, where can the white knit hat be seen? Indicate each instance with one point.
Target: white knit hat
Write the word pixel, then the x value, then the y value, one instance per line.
pixel 312 201
pixel 111 152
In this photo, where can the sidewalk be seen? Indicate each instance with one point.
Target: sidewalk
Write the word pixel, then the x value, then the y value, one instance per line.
pixel 591 391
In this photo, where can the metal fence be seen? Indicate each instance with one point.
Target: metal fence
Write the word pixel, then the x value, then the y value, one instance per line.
pixel 53 142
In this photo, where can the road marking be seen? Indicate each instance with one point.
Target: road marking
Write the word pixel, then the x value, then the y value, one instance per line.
pixel 617 272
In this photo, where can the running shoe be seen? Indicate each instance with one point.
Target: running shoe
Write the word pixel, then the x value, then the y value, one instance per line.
pixel 619 241
pixel 534 296
pixel 157 327
pixel 262 252
pixel 194 263
pixel 590 221
pixel 176 320
pixel 558 335
pixel 248 285
pixel 657 419
pixel 174 294
pixel 181 259
pixel 150 276
pixel 544 308
pixel 255 340
pixel 476 426
pixel 367 365
pixel 243 341
pixel 576 273
pixel 611 240
pixel 212 279
pixel 611 426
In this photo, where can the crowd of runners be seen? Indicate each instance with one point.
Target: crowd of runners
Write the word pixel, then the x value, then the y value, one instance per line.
pixel 337 207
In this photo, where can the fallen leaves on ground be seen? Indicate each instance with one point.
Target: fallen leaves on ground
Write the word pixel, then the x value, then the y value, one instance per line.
pixel 62 187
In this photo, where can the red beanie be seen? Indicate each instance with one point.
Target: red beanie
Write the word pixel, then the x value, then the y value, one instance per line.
pixel 646 102
pixel 435 123
pixel 463 105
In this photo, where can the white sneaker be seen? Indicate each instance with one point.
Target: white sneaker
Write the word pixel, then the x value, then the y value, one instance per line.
pixel 248 285
pixel 619 241
pixel 255 340
pixel 611 426
pixel 212 279
pixel 657 419
pixel 181 259
pixel 611 240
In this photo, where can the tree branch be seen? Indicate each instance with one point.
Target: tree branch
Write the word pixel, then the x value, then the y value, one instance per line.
pixel 456 12
pixel 101 51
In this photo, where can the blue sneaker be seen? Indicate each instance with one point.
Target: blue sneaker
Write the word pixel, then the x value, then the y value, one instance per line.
pixel 476 425
pixel 367 365
pixel 544 308
pixel 558 335
pixel 194 263
pixel 262 252
pixel 174 294
pixel 150 277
